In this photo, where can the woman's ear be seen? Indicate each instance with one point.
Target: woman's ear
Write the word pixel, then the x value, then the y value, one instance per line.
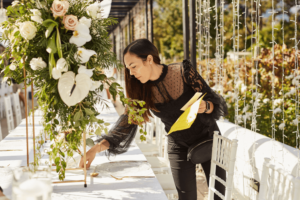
pixel 150 59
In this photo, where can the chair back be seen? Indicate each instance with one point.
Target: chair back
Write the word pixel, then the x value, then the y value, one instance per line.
pixel 224 156
pixel 17 108
pixel 275 184
pixel 9 113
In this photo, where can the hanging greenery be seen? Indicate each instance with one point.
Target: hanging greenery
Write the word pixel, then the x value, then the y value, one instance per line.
pixel 63 47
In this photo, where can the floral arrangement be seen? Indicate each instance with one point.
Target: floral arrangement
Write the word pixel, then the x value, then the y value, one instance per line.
pixel 62 46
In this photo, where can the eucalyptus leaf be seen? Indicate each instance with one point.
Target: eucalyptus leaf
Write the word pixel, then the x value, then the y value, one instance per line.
pixel 98 131
pixel 77 116
pixel 90 142
pixel 88 111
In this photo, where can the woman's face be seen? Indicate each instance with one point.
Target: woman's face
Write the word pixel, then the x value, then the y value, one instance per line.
pixel 137 67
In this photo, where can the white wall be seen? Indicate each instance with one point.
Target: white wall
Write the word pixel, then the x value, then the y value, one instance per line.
pixel 249 160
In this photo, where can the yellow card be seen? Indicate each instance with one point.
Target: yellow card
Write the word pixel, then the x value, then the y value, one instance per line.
pixel 191 101
pixel 187 118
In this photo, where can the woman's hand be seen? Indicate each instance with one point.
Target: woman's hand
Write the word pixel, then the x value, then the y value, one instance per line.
pixel 202 107
pixel 91 154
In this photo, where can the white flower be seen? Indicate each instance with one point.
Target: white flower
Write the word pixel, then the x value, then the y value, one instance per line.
pixel 14 3
pixel 95 85
pixel 37 19
pixel 266 100
pixel 36 12
pixel 62 65
pixel 277 102
pixel 244 88
pixel 257 95
pixel 281 126
pixel 277 110
pixel 295 81
pixel 83 55
pixel 290 76
pixel 246 108
pixel 13 67
pixel 5 79
pixel 86 21
pixel 28 30
pixel 295 122
pixel 81 35
pixel 84 70
pixel 93 9
pixel 56 73
pixel 37 63
pixel 99 16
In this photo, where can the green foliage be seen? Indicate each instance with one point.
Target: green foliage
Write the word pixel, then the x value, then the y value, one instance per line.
pixel 285 107
pixel 64 125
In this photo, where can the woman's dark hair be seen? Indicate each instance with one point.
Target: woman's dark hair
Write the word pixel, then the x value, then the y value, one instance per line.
pixel 134 88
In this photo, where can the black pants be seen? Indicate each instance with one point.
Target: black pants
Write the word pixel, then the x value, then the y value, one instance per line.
pixel 184 173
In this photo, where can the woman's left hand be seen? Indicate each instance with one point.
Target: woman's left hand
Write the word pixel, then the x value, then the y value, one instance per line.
pixel 202 107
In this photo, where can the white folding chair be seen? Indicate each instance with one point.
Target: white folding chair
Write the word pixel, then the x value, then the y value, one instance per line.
pixel 277 185
pixel 17 108
pixel 9 113
pixel 223 155
pixel 148 148
pixel 160 164
pixel 1 136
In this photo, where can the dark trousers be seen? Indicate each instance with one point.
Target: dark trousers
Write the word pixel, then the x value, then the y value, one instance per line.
pixel 184 173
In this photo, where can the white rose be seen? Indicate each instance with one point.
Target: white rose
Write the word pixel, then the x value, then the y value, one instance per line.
pixel 266 100
pixel 95 85
pixel 28 30
pixel 13 67
pixel 37 19
pixel 62 65
pixel 93 9
pixel 37 63
pixel 86 21
pixel 36 12
pixel 14 3
pixel 56 73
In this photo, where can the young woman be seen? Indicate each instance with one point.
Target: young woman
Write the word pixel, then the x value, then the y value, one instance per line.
pixel 166 89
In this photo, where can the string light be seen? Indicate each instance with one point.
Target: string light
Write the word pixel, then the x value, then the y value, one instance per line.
pixel 296 73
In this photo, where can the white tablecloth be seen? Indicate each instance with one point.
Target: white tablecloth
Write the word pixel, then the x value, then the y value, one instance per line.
pixel 102 187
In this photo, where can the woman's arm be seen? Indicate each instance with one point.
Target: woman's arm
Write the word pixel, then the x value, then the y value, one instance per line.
pixel 218 106
pixel 117 141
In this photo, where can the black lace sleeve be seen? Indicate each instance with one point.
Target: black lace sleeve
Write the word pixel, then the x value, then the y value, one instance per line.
pixel 193 79
pixel 120 136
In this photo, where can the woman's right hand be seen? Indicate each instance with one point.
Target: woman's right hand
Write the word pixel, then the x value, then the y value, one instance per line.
pixel 91 154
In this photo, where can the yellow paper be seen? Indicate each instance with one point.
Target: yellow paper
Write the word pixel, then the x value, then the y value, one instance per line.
pixel 191 101
pixel 187 118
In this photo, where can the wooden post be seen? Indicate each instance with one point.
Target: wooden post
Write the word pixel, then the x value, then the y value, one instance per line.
pixel 33 131
pixel 84 157
pixel 25 88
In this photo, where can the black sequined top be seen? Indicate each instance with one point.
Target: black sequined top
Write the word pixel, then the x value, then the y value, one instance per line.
pixel 172 90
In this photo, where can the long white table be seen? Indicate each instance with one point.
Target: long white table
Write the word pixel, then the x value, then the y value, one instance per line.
pixel 102 187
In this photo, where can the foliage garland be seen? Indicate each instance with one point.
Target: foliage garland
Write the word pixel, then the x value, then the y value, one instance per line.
pixel 50 38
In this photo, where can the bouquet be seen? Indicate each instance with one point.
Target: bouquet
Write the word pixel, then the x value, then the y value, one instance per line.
pixel 62 47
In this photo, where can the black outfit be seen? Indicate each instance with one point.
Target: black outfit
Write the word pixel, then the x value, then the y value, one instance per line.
pixel 172 90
